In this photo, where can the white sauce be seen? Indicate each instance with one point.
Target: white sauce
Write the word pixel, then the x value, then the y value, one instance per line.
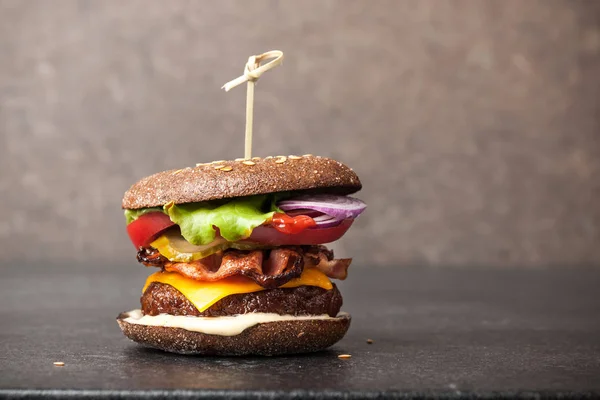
pixel 223 326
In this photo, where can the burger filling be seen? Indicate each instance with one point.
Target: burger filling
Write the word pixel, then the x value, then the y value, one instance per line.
pixel 269 268
pixel 261 255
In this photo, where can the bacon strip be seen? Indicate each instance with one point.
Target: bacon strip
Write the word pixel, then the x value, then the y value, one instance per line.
pixel 283 266
pixel 276 269
pixel 322 258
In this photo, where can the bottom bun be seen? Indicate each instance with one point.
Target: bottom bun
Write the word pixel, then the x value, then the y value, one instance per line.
pixel 291 336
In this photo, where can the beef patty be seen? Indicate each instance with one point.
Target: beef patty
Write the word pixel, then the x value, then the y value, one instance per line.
pixel 160 298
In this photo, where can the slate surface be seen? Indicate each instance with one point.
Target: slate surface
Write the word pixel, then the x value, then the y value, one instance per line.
pixel 436 332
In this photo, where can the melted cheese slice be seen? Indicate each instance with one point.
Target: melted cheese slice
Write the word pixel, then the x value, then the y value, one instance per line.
pixel 204 294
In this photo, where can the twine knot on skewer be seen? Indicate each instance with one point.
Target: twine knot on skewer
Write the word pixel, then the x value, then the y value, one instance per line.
pixel 253 70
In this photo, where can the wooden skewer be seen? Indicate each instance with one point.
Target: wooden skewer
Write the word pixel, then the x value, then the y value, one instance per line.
pixel 252 72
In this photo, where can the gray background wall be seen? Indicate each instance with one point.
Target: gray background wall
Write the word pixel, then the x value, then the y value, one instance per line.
pixel 474 125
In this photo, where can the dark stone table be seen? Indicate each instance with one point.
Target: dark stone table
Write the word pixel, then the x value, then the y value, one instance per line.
pixel 436 333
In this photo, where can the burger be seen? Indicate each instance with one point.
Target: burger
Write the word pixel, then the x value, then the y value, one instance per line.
pixel 239 247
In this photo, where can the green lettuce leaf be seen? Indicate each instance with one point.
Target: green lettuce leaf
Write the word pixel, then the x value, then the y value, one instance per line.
pixel 132 215
pixel 235 219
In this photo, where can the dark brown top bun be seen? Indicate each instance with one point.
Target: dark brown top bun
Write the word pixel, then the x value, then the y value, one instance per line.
pixel 228 179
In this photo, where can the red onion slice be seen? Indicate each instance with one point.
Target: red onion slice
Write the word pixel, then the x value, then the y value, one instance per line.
pixel 310 213
pixel 326 221
pixel 339 207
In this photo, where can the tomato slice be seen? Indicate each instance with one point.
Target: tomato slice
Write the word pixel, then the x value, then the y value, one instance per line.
pixel 268 235
pixel 147 228
pixel 291 225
